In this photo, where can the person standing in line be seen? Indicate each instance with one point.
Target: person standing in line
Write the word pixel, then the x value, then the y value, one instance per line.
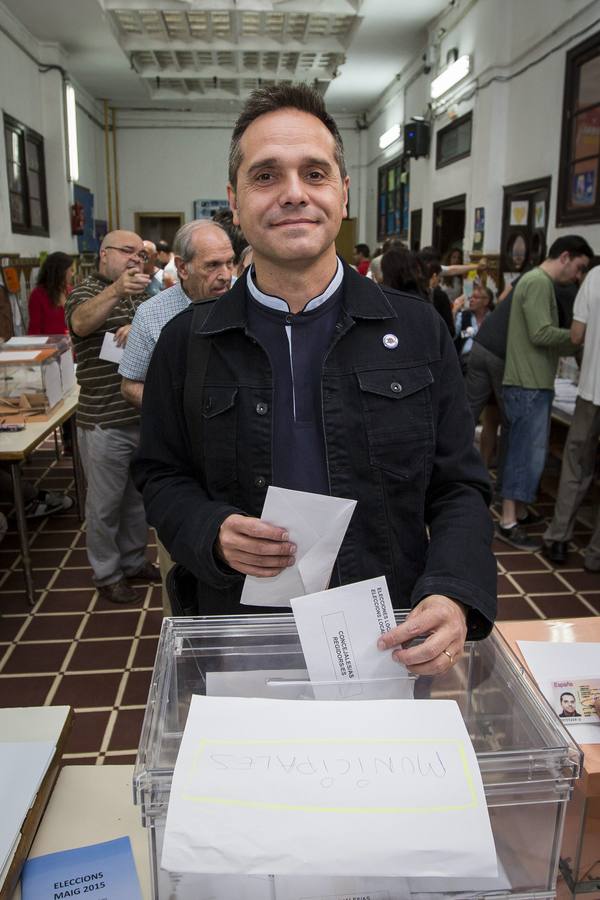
pixel 534 345
pixel 107 426
pixel 47 299
pixel 581 447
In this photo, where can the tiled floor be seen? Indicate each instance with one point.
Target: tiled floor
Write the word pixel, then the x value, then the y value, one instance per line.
pixel 72 648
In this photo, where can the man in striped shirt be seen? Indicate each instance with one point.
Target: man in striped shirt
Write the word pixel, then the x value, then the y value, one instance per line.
pixel 107 426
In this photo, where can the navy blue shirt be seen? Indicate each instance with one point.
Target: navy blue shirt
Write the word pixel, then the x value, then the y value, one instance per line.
pixel 296 345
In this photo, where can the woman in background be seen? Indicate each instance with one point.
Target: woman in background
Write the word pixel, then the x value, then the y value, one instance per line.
pixel 47 300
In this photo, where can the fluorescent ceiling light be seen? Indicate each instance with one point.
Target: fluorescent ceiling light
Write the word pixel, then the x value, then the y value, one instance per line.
pixel 72 133
pixel 388 137
pixel 451 75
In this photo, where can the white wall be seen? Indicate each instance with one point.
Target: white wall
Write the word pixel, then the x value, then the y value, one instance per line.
pixel 516 123
pixel 90 143
pixel 37 100
pixel 166 161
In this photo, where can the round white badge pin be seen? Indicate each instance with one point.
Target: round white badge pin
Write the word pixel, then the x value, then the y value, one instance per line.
pixel 390 341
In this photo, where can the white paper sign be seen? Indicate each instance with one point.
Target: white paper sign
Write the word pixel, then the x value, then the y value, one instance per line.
pixel 29 340
pixel 382 788
pixel 338 630
pixel 316 524
pixel 19 356
pixel 109 350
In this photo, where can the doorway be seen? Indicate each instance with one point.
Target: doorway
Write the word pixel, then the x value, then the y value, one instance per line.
pixel 158 226
pixel 524 226
pixel 416 221
pixel 449 224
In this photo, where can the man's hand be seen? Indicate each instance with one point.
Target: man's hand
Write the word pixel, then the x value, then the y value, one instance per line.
pixel 121 335
pixel 444 621
pixel 131 282
pixel 458 304
pixel 253 547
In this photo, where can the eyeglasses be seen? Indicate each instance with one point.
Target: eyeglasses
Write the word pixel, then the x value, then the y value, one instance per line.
pixel 132 254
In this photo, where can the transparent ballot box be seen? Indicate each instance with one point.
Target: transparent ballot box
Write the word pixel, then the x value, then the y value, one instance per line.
pixel 30 378
pixel 527 759
pixel 59 342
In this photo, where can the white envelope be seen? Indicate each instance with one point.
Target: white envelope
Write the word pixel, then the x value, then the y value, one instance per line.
pixel 109 350
pixel 316 524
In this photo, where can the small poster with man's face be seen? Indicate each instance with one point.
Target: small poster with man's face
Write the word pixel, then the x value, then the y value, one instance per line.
pixel 576 700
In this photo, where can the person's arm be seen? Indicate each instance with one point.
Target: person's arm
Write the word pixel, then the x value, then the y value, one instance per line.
pixel 456 594
pixel 216 541
pixel 577 332
pixel 542 332
pixel 35 312
pixel 91 315
pixel 133 392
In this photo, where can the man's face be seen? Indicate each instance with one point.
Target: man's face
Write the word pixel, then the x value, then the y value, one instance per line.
pixel 123 250
pixel 290 197
pixel 479 300
pixel 357 256
pixel 208 273
pixel 150 263
pixel 568 703
pixel 573 268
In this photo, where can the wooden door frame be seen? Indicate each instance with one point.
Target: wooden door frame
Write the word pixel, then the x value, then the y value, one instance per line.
pixel 445 204
pixel 156 215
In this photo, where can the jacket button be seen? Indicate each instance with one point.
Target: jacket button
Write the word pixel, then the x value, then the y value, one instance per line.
pixel 289 319
pixel 260 482
pixel 208 404
pixel 396 388
pixel 262 409
pixel 339 326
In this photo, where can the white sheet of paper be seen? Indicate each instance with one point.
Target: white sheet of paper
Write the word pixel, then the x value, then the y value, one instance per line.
pixel 27 340
pixel 552 660
pixel 338 631
pixel 18 356
pixel 382 788
pixel 53 383
pixel 176 886
pixel 261 683
pixel 109 350
pixel 23 765
pixel 316 524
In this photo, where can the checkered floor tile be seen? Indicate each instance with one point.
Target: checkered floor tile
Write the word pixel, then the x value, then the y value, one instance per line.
pixel 72 648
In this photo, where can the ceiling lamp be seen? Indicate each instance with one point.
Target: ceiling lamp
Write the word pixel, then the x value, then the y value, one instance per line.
pixel 72 132
pixel 388 137
pixel 451 75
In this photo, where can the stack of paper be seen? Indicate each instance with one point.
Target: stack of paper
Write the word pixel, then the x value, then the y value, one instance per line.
pixel 22 768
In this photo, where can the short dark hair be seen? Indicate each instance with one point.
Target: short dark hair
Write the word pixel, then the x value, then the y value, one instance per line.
pixel 573 244
pixel 429 254
pixel 568 693
pixel 363 249
pixel 163 247
pixel 276 97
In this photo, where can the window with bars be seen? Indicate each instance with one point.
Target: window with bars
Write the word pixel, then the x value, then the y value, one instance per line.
pixel 392 200
pixel 26 178
pixel 578 193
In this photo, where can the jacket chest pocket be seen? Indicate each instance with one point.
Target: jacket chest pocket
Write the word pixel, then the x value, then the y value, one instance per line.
pixel 396 408
pixel 219 413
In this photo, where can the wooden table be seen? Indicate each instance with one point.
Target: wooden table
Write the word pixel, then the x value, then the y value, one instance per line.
pixel 90 805
pixel 580 851
pixel 15 447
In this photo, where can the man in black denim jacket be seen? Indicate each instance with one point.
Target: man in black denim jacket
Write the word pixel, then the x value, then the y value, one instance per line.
pixel 308 376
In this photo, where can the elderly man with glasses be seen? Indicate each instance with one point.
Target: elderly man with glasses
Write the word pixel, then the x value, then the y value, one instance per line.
pixel 107 426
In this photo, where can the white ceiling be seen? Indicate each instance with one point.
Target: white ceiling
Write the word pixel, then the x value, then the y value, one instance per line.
pixel 208 54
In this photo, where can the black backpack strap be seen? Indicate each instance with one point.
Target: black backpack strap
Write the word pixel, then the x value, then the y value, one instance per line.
pixel 193 390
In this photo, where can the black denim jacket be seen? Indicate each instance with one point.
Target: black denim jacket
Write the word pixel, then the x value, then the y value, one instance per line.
pixel 399 439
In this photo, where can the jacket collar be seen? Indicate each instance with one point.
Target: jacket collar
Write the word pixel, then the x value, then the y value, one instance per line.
pixel 362 299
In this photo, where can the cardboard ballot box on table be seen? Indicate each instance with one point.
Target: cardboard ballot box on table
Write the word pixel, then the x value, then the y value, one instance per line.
pixel 527 759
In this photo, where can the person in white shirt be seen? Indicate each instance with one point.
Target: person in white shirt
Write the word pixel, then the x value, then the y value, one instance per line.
pixel 581 446
pixel 166 260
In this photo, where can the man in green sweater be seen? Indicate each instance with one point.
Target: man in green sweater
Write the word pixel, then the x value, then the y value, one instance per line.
pixel 535 343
